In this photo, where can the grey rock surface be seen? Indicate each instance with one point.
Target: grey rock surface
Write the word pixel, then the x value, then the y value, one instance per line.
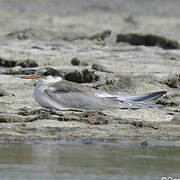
pixel 52 33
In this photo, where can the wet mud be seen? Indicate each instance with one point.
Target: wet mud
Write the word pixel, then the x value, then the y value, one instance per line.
pixel 106 46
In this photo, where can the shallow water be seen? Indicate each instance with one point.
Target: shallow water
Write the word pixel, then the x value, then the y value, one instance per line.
pixel 87 160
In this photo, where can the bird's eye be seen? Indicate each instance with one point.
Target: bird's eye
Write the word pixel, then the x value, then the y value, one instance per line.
pixel 46 73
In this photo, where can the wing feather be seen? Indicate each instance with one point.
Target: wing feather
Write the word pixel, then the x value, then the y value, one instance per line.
pixel 80 100
pixel 72 95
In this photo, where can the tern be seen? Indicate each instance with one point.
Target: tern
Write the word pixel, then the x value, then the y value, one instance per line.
pixel 52 91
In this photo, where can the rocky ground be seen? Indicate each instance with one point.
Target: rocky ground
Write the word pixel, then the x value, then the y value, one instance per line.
pixel 125 46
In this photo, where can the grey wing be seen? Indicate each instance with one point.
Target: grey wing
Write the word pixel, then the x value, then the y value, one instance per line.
pixel 78 100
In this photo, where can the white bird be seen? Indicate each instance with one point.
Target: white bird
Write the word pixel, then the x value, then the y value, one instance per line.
pixel 53 92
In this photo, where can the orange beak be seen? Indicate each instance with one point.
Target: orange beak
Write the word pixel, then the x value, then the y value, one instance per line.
pixel 28 76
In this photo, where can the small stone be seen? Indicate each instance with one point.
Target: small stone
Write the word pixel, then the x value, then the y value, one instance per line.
pixel 77 62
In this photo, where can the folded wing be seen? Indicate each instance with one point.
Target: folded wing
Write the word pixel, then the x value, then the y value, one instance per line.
pixel 77 100
pixel 75 96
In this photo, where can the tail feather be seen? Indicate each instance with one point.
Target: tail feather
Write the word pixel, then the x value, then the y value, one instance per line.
pixel 137 101
pixel 141 97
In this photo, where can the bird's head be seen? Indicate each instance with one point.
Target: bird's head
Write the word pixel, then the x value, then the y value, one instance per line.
pixel 45 74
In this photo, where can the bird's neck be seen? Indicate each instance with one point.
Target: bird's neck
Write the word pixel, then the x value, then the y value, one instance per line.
pixel 48 79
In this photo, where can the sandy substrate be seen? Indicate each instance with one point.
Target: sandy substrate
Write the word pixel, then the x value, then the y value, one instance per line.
pixel 52 33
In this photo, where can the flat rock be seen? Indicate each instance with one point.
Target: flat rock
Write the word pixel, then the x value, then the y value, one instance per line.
pixel 28 63
pixel 148 40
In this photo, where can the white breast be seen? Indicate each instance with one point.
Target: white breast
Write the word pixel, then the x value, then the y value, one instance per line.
pixel 39 97
pixel 42 98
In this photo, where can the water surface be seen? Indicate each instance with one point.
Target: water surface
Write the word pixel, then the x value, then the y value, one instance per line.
pixel 87 161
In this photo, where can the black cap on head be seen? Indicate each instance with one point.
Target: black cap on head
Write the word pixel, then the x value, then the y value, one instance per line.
pixel 48 71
